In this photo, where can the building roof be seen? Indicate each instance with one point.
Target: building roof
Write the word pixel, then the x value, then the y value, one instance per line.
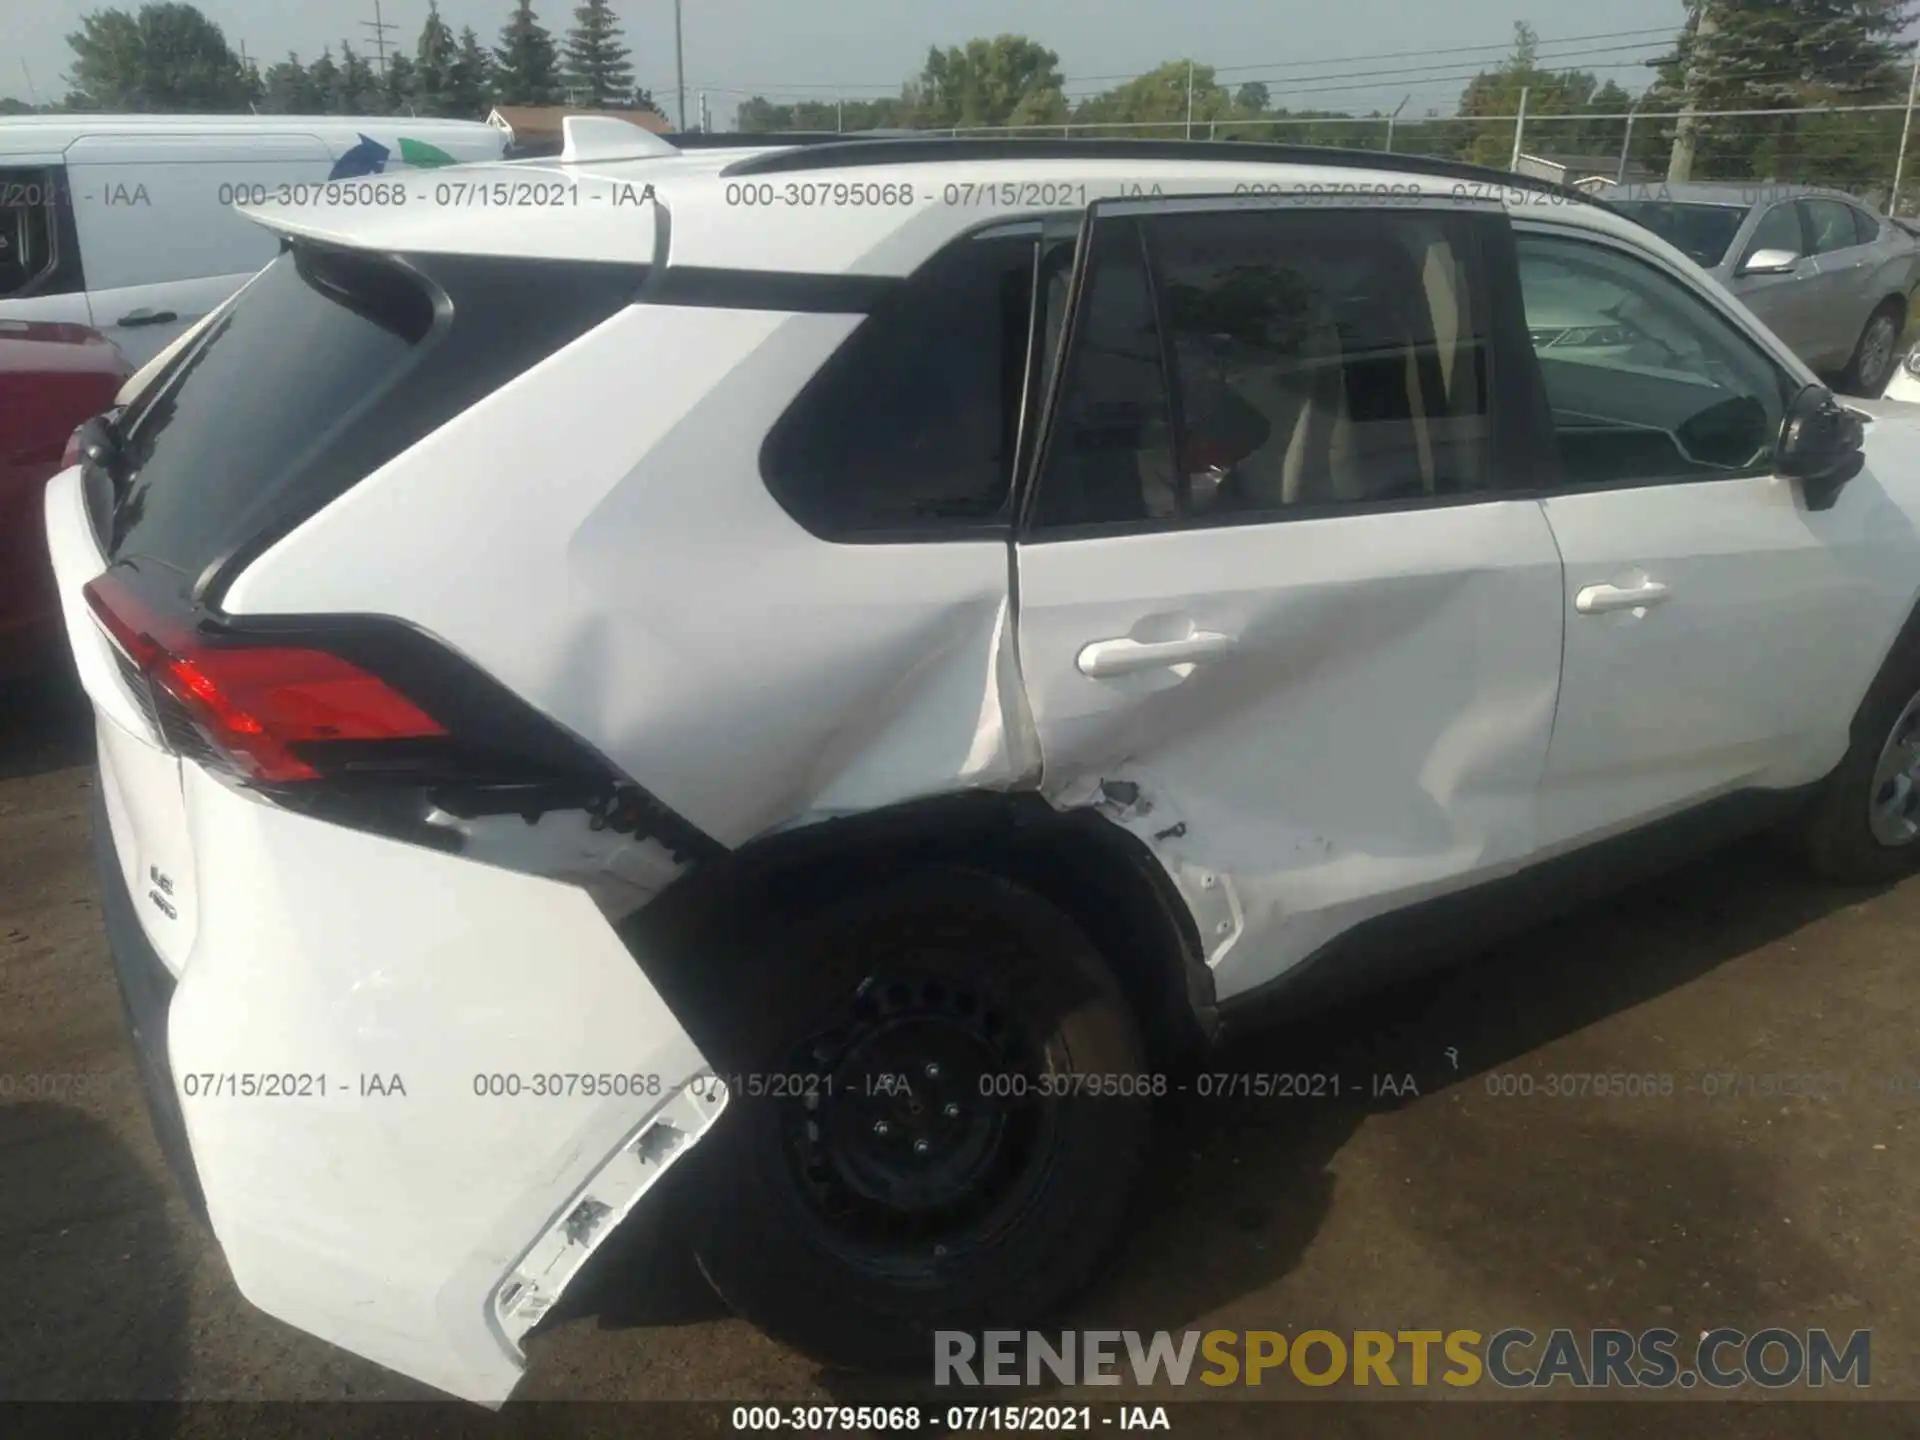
pixel 526 122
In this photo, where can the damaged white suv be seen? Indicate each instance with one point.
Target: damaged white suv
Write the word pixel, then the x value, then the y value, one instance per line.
pixel 846 663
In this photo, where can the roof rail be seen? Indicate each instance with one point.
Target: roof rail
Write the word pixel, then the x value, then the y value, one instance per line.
pixel 750 139
pixel 891 151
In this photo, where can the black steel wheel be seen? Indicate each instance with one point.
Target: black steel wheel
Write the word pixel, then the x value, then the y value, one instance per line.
pixel 912 1145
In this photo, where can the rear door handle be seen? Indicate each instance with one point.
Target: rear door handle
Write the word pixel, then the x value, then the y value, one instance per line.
pixel 1106 658
pixel 146 317
pixel 1603 599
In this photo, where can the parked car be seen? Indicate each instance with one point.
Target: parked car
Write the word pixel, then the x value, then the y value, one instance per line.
pixel 854 694
pixel 1827 275
pixel 52 377
pixel 128 223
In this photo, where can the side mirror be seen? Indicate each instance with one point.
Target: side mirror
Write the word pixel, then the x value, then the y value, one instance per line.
pixel 1820 445
pixel 1770 262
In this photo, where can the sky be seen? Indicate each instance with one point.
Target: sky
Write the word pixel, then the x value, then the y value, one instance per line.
pixel 1357 54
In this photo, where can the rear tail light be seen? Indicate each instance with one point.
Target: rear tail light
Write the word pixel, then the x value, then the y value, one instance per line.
pixel 256 704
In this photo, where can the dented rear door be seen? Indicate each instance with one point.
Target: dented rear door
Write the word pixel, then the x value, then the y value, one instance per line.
pixel 1282 613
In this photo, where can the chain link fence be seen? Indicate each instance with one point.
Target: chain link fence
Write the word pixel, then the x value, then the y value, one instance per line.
pixel 1856 148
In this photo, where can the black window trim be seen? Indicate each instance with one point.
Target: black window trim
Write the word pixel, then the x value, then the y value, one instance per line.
pixel 1514 441
pixel 1727 313
pixel 67 275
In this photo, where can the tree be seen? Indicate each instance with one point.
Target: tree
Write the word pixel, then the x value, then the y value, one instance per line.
pixel 1252 97
pixel 1008 80
pixel 398 84
pixel 1162 95
pixel 289 89
pixel 324 76
pixel 526 68
pixel 470 80
pixel 360 92
pixel 434 56
pixel 1785 55
pixel 168 58
pixel 1549 93
pixel 597 71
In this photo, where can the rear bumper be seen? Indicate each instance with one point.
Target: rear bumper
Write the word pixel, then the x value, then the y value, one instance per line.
pixel 146 993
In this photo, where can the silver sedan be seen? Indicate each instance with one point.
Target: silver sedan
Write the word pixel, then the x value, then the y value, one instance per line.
pixel 1826 274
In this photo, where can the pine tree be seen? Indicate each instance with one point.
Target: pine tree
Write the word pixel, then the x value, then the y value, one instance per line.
pixel 324 76
pixel 398 85
pixel 470 81
pixel 359 86
pixel 527 67
pixel 288 90
pixel 597 71
pixel 1780 55
pixel 433 61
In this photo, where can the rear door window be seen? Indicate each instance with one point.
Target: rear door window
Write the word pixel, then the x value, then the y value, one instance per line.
pixel 1829 225
pixel 1237 365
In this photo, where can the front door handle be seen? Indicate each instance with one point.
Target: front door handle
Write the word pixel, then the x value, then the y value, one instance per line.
pixel 146 317
pixel 1104 659
pixel 1602 599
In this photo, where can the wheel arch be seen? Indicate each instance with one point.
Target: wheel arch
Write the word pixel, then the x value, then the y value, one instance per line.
pixel 687 941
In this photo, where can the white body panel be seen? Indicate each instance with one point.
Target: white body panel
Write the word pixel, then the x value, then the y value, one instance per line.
pixel 1375 736
pixel 427 1230
pixel 791 679
pixel 1728 679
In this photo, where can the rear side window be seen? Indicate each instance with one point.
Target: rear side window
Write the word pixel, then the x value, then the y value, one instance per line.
pixel 1830 225
pixel 912 422
pixel 328 365
pixel 1865 228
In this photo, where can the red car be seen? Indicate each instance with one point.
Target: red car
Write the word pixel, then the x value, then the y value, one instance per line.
pixel 53 378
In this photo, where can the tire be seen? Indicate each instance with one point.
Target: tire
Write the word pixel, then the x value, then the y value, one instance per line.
pixel 1843 837
pixel 841 1240
pixel 1876 352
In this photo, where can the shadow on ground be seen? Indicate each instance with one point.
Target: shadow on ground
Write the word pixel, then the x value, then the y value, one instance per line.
pixel 1237 1189
pixel 102 1241
pixel 46 724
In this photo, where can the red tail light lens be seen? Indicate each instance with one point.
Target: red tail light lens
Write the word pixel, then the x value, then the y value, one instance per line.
pixel 254 703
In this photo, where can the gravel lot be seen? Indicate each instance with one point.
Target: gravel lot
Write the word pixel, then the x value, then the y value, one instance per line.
pixel 1458 1207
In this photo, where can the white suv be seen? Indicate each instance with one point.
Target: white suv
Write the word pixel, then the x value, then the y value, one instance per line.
pixel 849 662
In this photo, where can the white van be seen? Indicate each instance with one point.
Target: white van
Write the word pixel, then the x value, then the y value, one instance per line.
pixel 127 222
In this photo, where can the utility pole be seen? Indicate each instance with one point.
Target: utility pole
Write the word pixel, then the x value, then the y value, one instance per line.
pixel 1189 100
pixel 1906 126
pixel 1626 141
pixel 679 65
pixel 1519 129
pixel 379 25
pixel 1390 122
pixel 1686 134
